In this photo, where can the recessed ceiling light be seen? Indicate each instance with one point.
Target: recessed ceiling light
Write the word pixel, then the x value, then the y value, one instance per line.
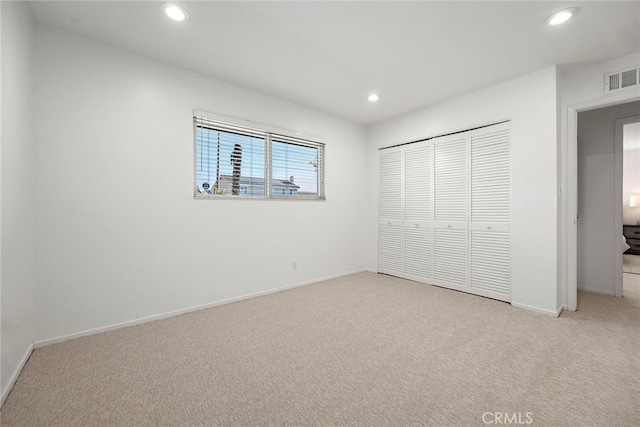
pixel 373 97
pixel 175 12
pixel 561 16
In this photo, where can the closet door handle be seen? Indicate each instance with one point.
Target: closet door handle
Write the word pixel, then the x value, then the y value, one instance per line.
pixel 489 228
pixel 449 226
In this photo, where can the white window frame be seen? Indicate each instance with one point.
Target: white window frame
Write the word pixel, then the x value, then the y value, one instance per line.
pixel 269 133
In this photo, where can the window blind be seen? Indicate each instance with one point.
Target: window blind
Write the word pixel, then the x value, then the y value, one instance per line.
pixel 229 161
pixel 296 167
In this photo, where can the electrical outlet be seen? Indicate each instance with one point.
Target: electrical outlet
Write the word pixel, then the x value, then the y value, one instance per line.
pixel 294 265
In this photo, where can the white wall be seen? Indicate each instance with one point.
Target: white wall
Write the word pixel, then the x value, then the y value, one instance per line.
pixel 588 84
pixel 119 235
pixel 530 103
pixel 630 171
pixel 596 197
pixel 18 187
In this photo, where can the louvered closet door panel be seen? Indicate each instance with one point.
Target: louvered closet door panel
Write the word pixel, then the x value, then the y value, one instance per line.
pixel 490 176
pixel 450 178
pixel 390 248
pixel 418 232
pixel 390 213
pixel 450 234
pixel 417 253
pixel 450 258
pixel 390 197
pixel 417 182
pixel 490 275
pixel 490 245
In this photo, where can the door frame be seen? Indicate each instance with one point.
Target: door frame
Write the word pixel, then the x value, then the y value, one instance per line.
pixel 571 216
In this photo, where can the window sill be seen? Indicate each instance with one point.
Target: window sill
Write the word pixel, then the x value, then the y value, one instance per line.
pixel 200 196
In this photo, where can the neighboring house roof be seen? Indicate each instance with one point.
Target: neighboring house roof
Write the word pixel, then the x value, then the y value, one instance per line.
pixel 249 180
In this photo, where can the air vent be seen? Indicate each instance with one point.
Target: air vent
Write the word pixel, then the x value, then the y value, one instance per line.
pixel 614 82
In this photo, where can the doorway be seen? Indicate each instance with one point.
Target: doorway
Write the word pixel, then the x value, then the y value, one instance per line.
pixel 629 129
pixel 601 202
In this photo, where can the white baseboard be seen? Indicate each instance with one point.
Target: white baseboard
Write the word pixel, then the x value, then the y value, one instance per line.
pixel 15 375
pixel 560 309
pixel 553 313
pixel 116 326
pixel 598 291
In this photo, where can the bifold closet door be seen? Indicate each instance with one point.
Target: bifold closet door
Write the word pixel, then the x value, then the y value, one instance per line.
pixel 450 233
pixel 417 224
pixel 490 244
pixel 390 212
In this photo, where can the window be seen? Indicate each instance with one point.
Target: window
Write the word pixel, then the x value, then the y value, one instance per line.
pixel 228 160
pixel 233 161
pixel 294 167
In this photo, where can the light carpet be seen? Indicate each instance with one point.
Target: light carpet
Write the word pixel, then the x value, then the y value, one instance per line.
pixel 364 350
pixel 631 264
